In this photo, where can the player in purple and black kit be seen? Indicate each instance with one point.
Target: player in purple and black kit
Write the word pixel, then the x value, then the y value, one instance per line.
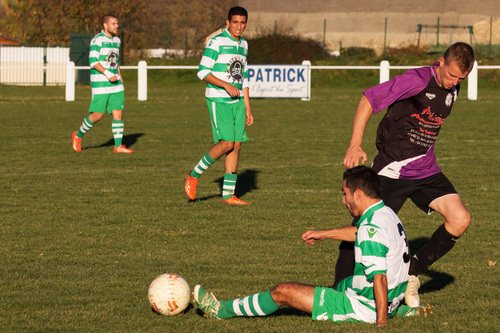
pixel 417 103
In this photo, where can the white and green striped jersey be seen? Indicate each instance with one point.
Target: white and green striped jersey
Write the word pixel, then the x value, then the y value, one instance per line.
pixel 104 50
pixel 381 247
pixel 225 58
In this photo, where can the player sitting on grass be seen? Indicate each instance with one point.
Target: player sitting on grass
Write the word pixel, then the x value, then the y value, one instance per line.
pixel 371 295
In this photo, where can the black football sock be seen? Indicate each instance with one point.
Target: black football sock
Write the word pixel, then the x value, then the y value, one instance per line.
pixel 345 262
pixel 440 243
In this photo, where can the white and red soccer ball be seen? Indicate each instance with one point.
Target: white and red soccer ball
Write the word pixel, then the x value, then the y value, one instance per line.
pixel 169 294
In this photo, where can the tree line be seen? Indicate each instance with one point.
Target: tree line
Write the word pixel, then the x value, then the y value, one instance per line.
pixel 176 24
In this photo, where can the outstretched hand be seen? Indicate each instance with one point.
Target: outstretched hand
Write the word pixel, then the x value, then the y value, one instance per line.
pixel 311 236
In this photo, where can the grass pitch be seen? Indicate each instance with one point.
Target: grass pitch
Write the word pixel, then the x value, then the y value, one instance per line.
pixel 83 234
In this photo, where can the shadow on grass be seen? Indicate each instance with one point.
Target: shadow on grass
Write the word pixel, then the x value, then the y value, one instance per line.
pixel 246 183
pixel 186 310
pixel 417 244
pixel 128 140
pixel 438 280
pixel 280 312
pixel 205 198
pixel 290 312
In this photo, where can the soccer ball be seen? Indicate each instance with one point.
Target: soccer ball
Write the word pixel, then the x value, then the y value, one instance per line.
pixel 169 294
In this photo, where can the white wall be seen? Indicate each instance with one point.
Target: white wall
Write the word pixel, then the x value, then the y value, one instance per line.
pixel 25 56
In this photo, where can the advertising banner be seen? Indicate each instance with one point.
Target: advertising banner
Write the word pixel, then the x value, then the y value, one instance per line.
pixel 280 81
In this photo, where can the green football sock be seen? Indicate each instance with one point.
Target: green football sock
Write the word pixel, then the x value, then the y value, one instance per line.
pixel 202 166
pixel 405 311
pixel 86 126
pixel 117 127
pixel 256 305
pixel 229 185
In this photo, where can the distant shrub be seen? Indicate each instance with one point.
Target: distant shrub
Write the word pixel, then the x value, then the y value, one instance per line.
pixel 357 52
pixel 410 50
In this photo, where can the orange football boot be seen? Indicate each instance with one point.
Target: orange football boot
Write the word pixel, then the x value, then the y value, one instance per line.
pixel 235 201
pixel 123 149
pixel 190 186
pixel 77 142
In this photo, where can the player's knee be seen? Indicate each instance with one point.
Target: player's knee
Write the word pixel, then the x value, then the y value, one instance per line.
pixel 279 293
pixel 95 117
pixel 227 146
pixel 465 220
pixel 460 221
pixel 236 146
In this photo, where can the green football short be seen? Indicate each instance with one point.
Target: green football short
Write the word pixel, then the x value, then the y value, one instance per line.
pixel 330 304
pixel 110 102
pixel 228 121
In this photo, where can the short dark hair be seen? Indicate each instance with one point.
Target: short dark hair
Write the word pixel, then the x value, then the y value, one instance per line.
pixel 462 54
pixel 363 178
pixel 106 17
pixel 237 11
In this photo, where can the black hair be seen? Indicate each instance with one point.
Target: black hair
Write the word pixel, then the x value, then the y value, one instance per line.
pixel 237 11
pixel 462 54
pixel 363 178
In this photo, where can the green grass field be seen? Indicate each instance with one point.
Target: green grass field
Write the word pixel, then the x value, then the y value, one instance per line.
pixel 83 234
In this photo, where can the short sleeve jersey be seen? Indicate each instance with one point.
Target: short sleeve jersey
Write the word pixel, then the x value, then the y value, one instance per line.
pixel 104 50
pixel 417 107
pixel 381 247
pixel 226 59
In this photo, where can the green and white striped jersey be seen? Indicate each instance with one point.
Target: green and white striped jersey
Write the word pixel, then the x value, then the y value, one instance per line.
pixel 226 59
pixel 381 247
pixel 105 51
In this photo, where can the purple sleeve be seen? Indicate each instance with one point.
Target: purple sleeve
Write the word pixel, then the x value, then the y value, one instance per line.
pixel 398 88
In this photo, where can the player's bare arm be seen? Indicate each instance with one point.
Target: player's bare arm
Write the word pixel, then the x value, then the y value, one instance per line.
pixel 248 111
pixel 231 90
pixel 343 234
pixel 354 153
pixel 120 74
pixel 380 291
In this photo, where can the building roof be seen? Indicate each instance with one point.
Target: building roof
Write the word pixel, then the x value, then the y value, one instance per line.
pixel 5 40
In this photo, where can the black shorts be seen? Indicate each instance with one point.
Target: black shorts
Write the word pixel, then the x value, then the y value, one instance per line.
pixel 422 192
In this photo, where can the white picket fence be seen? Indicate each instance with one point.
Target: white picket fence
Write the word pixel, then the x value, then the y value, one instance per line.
pixel 142 82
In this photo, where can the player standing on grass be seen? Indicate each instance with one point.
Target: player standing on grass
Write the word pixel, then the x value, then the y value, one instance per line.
pixel 418 103
pixel 224 68
pixel 372 294
pixel 107 86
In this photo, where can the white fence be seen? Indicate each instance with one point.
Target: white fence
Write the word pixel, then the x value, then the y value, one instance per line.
pixel 62 71
pixel 142 91
pixel 33 65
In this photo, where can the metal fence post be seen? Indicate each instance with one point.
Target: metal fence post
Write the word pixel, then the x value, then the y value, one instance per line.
pixel 384 71
pixel 472 83
pixel 142 81
pixel 70 81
